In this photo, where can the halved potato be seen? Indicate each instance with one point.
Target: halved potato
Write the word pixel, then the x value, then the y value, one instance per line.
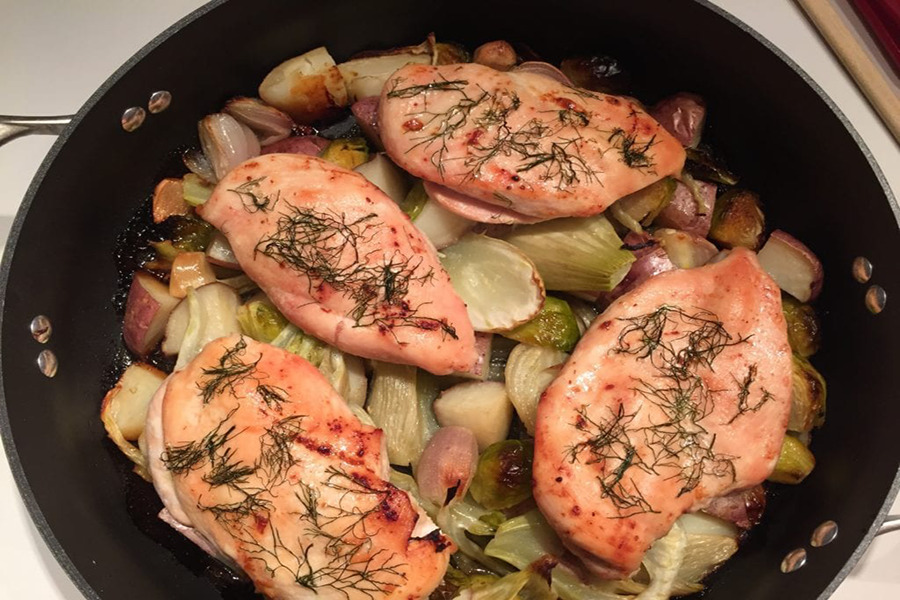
pixel 480 406
pixel 367 75
pixel 147 309
pixel 307 87
pixel 124 410
pixel 499 284
pixel 792 265
pixel 685 250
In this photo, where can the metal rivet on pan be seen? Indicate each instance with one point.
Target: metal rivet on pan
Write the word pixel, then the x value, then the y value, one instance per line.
pixel 159 101
pixel 876 298
pixel 862 269
pixel 41 329
pixel 824 534
pixel 47 363
pixel 133 118
pixel 794 560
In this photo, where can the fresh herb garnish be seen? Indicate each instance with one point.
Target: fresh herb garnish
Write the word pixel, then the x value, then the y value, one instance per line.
pixel 231 371
pixel 192 455
pixel 252 201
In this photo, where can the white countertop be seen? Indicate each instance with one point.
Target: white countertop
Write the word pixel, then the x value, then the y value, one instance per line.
pixel 55 53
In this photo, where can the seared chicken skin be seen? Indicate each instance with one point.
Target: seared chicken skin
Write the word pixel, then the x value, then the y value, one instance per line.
pixel 521 141
pixel 342 261
pixel 252 448
pixel 678 394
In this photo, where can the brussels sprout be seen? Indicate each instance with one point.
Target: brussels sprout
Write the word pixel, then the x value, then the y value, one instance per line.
pixel 498 55
pixel 554 327
pixel 808 394
pixel 738 220
pixel 346 152
pixel 704 163
pixel 261 321
pixel 803 330
pixel 190 234
pixel 794 463
pixel 165 250
pixel 503 477
pixel 597 73
pixel 415 201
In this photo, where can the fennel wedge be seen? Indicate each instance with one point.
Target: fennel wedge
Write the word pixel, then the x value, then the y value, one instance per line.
pixel 574 254
pixel 499 284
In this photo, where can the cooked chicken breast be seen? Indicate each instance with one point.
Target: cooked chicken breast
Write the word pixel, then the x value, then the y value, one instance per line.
pixel 678 394
pixel 254 451
pixel 521 141
pixel 342 261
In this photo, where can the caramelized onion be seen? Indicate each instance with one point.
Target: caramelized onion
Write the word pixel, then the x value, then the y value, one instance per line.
pixel 448 461
pixel 226 142
pixel 268 123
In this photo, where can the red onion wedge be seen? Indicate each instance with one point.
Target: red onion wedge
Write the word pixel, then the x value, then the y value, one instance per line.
pixel 792 265
pixel 473 209
pixel 226 143
pixel 268 123
pixel 311 145
pixel 448 461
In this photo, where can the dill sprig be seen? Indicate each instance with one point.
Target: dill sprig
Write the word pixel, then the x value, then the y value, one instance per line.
pixel 634 152
pixel 251 200
pixel 272 396
pixel 444 85
pixel 231 371
pixel 193 455
pixel 325 247
pixel 275 456
pixel 224 471
pixel 743 395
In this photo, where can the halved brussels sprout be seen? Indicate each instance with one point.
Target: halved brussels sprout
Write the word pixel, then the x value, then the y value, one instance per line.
pixel 808 394
pixel 261 321
pixel 414 201
pixel 346 152
pixel 738 220
pixel 554 327
pixel 794 463
pixel 803 330
pixel 503 477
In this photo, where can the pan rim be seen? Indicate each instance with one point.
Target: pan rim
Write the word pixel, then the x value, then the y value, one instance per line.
pixel 25 491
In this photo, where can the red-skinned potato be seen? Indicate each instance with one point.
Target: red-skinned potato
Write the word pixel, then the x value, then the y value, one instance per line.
pixel 310 145
pixel 448 461
pixel 682 211
pixel 168 200
pixel 744 508
pixel 650 259
pixel 147 309
pixel 189 270
pixel 176 326
pixel 682 115
pixel 127 402
pixel 366 112
pixel 685 250
pixel 792 265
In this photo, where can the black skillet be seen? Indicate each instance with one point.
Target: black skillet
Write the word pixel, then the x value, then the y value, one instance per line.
pixel 779 130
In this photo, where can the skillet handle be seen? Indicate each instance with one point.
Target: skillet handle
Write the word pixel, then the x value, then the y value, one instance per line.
pixel 891 524
pixel 12 127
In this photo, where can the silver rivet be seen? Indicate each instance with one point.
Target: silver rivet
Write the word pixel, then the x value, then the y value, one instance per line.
pixel 862 269
pixel 159 101
pixel 133 118
pixel 41 329
pixel 794 560
pixel 47 363
pixel 876 298
pixel 824 534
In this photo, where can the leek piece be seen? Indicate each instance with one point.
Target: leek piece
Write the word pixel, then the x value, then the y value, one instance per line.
pixel 524 539
pixel 529 370
pixel 196 191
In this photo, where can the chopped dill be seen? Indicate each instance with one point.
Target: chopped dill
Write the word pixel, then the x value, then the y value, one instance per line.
pixel 744 385
pixel 230 372
pixel 325 247
pixel 275 456
pixel 457 85
pixel 224 471
pixel 271 395
pixel 192 455
pixel 253 202
pixel 635 153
